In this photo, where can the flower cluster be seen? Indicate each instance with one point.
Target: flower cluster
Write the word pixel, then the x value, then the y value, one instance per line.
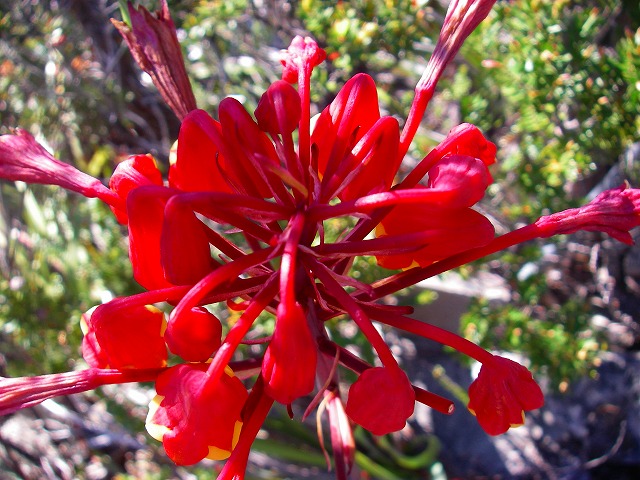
pixel 274 179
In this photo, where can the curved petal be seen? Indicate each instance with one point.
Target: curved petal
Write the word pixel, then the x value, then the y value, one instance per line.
pixel 381 400
pixel 372 166
pixel 195 418
pixel 252 150
pixel 199 156
pixel 289 365
pixel 465 139
pixel 278 110
pixel 194 335
pixel 452 231
pixel 135 171
pixel 120 335
pixel 501 394
pixel 344 122
pixel 185 254
pixel 145 209
pixel 466 177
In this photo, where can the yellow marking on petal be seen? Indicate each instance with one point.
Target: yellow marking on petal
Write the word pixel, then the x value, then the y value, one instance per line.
pixel 83 326
pixel 229 371
pixel 153 309
pixel 380 231
pixel 413 265
pixel 473 412
pixel 514 425
pixel 156 311
pixel 236 433
pixel 155 430
pixel 216 453
pixel 163 326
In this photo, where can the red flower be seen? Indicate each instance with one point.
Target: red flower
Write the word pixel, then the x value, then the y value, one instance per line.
pixel 289 364
pixel 381 400
pixel 195 418
pixel 134 172
pixel 119 335
pixel 195 335
pixel 501 394
pixel 276 186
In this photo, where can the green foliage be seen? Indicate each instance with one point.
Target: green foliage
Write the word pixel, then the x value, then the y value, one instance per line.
pixel 367 35
pixel 68 256
pixel 53 85
pixel 389 40
pixel 559 341
pixel 562 80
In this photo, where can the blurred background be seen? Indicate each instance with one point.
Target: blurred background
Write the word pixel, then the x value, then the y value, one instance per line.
pixel 554 83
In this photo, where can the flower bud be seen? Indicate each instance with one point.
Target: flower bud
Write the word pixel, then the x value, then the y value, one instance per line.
pixel 194 335
pixel 381 400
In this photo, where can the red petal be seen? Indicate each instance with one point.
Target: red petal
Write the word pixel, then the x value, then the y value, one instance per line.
pixel 199 156
pixel 145 208
pixel 135 171
pixel 289 365
pixel 196 414
pixel 194 335
pixel 373 165
pixel 465 139
pixel 91 350
pixel 184 245
pixel 465 177
pixel 381 400
pixel 453 230
pixel 251 149
pixel 345 121
pixel 279 109
pixel 501 394
pixel 120 336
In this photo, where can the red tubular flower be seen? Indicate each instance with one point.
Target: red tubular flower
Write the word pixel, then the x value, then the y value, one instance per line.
pixel 23 158
pixel 613 212
pixel 501 394
pixel 302 54
pixel 17 393
pixel 276 187
pixel 342 441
